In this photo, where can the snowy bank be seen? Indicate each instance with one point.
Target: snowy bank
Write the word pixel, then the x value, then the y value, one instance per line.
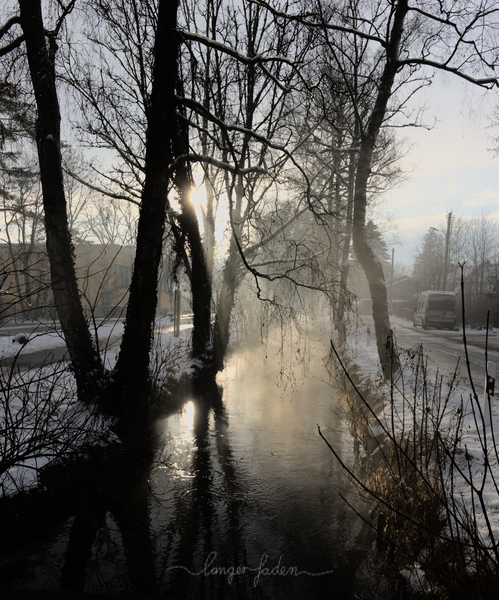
pixel 448 411
pixel 40 418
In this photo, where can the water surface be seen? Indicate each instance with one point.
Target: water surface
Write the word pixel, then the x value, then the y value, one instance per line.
pixel 255 507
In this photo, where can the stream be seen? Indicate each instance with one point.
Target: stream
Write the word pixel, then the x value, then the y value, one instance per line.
pixel 244 499
pixel 255 509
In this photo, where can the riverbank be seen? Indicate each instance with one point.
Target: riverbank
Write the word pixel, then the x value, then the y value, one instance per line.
pixel 42 417
pixel 413 439
pixel 248 483
pixel 429 464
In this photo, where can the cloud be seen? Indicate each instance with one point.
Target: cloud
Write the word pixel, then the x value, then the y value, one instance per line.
pixel 485 197
pixel 407 199
pixel 448 170
pixel 419 225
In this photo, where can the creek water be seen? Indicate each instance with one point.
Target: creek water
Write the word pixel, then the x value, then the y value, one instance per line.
pixel 245 500
pixel 255 508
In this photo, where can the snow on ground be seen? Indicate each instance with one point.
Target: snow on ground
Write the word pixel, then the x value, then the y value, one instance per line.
pixel 478 456
pixel 12 344
pixel 40 404
pixel 364 353
pixel 28 338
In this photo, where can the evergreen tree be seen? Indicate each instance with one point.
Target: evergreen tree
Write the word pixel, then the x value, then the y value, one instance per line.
pixel 429 262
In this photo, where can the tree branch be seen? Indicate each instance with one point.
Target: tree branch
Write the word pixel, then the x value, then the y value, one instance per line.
pixel 247 60
pixel 101 190
pixel 487 82
pixel 9 24
pixel 12 45
pixel 198 107
pixel 218 163
pixel 303 20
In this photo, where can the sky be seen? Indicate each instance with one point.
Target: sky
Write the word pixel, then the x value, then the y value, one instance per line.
pixel 450 168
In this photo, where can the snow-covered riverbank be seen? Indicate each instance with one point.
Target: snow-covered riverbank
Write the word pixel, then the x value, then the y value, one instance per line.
pixel 477 444
pixel 40 418
pixel 453 405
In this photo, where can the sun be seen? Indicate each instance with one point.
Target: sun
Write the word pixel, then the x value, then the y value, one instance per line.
pixel 222 220
pixel 200 201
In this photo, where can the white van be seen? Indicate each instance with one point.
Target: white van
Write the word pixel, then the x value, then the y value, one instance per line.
pixel 436 309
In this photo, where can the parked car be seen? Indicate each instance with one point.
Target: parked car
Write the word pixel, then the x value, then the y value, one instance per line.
pixel 436 309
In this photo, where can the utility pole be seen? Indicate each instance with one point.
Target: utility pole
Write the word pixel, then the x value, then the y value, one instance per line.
pixel 391 282
pixel 446 259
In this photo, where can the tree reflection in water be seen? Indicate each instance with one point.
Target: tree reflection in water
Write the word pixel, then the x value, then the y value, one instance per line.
pixel 208 503
pixel 124 493
pixel 251 523
pixel 260 491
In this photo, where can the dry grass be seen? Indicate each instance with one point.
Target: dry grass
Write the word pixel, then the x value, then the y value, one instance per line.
pixel 429 544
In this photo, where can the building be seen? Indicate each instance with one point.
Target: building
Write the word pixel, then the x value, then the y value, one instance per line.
pixel 104 274
pixel 402 293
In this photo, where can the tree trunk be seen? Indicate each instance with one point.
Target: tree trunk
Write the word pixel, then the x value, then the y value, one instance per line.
pixel 226 301
pixel 200 280
pixel 369 261
pixel 344 267
pixel 230 282
pixel 41 58
pixel 132 367
pixel 201 300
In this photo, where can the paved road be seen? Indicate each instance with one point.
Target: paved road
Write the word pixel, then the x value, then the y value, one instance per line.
pixel 446 350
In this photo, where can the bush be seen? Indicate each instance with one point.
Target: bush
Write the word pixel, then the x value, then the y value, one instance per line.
pixel 429 497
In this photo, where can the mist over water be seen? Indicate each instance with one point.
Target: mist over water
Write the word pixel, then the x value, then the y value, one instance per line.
pixel 244 499
pixel 255 506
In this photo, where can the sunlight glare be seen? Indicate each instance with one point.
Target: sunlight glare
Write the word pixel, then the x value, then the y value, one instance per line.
pixel 200 201
pixel 187 417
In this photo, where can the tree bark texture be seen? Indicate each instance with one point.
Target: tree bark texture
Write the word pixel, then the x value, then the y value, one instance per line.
pixel 345 250
pixel 369 261
pixel 200 280
pixel 231 279
pixel 132 368
pixel 201 296
pixel 41 61
pixel 200 274
pixel 226 302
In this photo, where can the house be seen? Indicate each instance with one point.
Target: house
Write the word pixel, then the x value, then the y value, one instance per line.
pixel 402 297
pixel 481 294
pixel 402 293
pixel 104 274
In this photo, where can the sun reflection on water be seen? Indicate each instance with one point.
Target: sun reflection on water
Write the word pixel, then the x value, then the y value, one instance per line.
pixel 187 417
pixel 178 436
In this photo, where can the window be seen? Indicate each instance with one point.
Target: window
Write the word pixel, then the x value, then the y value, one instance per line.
pixel 442 304
pixel 123 276
pixel 106 298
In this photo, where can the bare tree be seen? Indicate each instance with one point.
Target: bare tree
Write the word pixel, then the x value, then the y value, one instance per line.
pixel 243 161
pixel 41 48
pixel 482 248
pixel 473 244
pixel 109 221
pixel 337 111
pixel 21 208
pixel 235 147
pixel 405 44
